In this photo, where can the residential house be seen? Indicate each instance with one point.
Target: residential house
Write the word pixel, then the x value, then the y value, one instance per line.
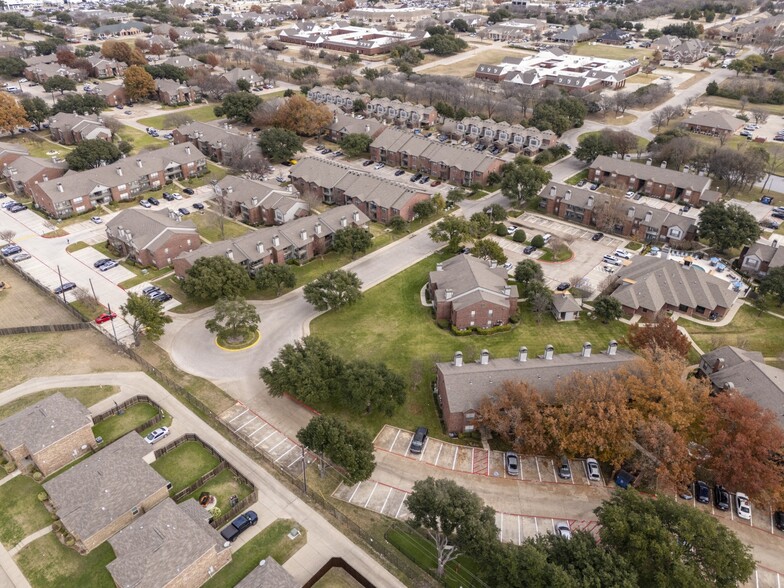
pixel 121 29
pixel 565 307
pixel 343 98
pixel 403 114
pixel 714 123
pixel 170 545
pixel 616 214
pixel 258 204
pixel 297 241
pixel 573 35
pixel 378 198
pixel 105 68
pixel 235 75
pixel 113 94
pixel 268 574
pixel 462 386
pixel 173 93
pixel 218 140
pixel 656 181
pixel 470 292
pixel 759 258
pixel 438 160
pixel 343 124
pixel 27 171
pixel 48 435
pixel 71 129
pixel 681 50
pixel 515 137
pixel 185 62
pixel 151 237
pixel 648 286
pixel 121 181
pixel 731 369
pixel 101 495
pixel 340 36
pixel 43 71
pixel 163 41
pixel 615 37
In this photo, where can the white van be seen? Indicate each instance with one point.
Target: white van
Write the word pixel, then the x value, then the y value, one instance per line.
pixel 547 237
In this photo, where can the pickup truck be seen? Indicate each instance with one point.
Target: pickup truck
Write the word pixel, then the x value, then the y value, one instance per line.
pixel 238 525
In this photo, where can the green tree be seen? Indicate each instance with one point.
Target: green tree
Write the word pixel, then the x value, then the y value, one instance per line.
pixel 525 566
pixel 373 386
pixel 345 446
pixel 355 144
pixel 334 290
pixel 487 248
pixel 89 103
pixel 538 241
pixel 454 518
pixel 481 225
pixel 673 545
pixel 146 316
pixel 522 180
pixel 461 26
pixel 591 147
pixel 727 226
pixel 243 85
pixel 497 212
pixel 280 144
pixel 275 276
pixel 519 236
pixel 527 272
pixel 12 66
pixel 59 84
pixel 234 317
pixel 352 240
pixel 773 285
pixel 452 230
pixel 397 223
pixel 92 153
pixel 424 208
pixel 36 109
pixel 607 309
pixel 238 106
pixel 216 277
pixel 444 45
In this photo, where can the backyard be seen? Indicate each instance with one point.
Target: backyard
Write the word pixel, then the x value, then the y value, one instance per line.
pixel 185 464
pixel 87 395
pixel 118 425
pixel 270 542
pixel 409 341
pixel 223 487
pixel 141 141
pixel 620 52
pixel 47 563
pixel 21 513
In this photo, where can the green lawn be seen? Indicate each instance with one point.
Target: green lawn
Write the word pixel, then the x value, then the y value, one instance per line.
pixel 20 511
pixel 103 247
pixel 460 573
pixel 575 179
pixel 208 225
pixel 116 426
pixel 204 113
pixel 47 563
pixel 40 148
pixel 87 395
pixel 223 487
pixel 408 340
pixel 642 145
pixel 140 140
pixel 271 542
pixel 749 330
pixel 185 464
pixel 143 275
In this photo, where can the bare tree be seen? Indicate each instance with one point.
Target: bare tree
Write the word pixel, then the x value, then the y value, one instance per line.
pixel 7 235
pixel 658 118
pixel 743 102
pixel 760 116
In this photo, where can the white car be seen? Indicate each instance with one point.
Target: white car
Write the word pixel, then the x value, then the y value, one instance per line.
pixel 630 193
pixel 563 530
pixel 511 230
pixel 176 195
pixel 145 204
pixel 623 254
pixel 612 260
pixel 97 220
pixel 743 506
pixel 378 166
pixel 157 435
pixel 592 467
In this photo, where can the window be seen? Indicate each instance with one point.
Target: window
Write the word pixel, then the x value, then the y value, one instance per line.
pixel 468 428
pixel 700 309
pixel 751 261
pixel 490 312
pixel 473 313
pixel 683 308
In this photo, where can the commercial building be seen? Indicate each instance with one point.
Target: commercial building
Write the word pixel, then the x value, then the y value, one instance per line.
pixel 340 36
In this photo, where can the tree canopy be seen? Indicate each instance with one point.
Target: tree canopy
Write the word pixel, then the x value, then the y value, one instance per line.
pixel 727 226
pixel 345 446
pixel 355 144
pixel 275 276
pixel 773 284
pixel 526 272
pixel 663 334
pixel 36 109
pixel 303 117
pixel 12 115
pixel 92 153
pixel 607 308
pixel 238 106
pixel 352 240
pixel 334 290
pixel 522 180
pixel 234 317
pixel 211 278
pixel 59 84
pixel 139 84
pixel 280 144
pixel 452 230
pixel 147 316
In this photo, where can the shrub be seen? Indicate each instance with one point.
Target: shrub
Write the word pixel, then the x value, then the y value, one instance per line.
pixel 42 496
pixel 543 158
pixel 460 332
pixel 37 476
pixel 442 323
pixel 519 236
pixel 500 230
pixel 57 526
pixel 216 512
pixel 538 241
pixel 70 541
pixel 9 467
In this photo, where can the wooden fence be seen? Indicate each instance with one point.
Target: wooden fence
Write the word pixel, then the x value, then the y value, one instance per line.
pixel 43 329
pixel 139 398
pixel 339 562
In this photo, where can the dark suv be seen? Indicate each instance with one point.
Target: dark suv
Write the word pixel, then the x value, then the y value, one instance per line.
pixel 721 498
pixel 778 520
pixel 418 442
pixel 238 525
pixel 702 492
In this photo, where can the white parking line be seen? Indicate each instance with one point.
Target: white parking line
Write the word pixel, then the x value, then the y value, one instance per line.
pixel 397 514
pixel 423 449
pixel 257 430
pixel 351 500
pixel 538 473
pixel 454 461
pixel 394 440
pixel 238 416
pixel 371 495
pixel 281 442
pixel 245 425
pixel 472 460
pixel 265 438
pixel 519 531
pixel 440 449
pixel 385 500
pixel 285 454
pixel 501 528
pixel 296 461
pixel 536 525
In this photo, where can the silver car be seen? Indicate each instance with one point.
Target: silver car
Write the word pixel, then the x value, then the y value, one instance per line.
pixel 21 257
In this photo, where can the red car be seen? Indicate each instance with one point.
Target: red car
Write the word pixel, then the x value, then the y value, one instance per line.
pixel 435 183
pixel 106 317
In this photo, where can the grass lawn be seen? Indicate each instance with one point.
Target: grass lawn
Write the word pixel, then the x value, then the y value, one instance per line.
pixel 116 426
pixel 748 330
pixel 460 573
pixel 47 563
pixel 732 104
pixel 642 146
pixel 203 113
pixel 150 275
pixel 223 486
pixel 611 51
pixel 20 511
pixel 140 140
pixel 87 395
pixel 185 464
pixel 466 67
pixel 103 248
pixel 215 172
pixel 40 148
pixel 409 341
pixel 208 225
pixel 336 578
pixel 271 542
pixel 575 179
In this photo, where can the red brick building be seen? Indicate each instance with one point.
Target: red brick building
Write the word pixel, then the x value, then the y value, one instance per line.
pixel 258 204
pixel 151 237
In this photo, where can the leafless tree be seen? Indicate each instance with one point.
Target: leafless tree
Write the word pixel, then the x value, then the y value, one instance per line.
pixel 658 118
pixel 760 116
pixel 177 119
pixel 7 235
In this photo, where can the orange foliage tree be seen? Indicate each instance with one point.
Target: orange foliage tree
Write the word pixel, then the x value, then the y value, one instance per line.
pixel 662 335
pixel 302 116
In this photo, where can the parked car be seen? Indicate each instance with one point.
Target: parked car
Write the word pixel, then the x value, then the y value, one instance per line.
pixel 565 470
pixel 622 254
pixel 11 249
pixel 65 287
pixel 157 435
pixel 367 163
pixel 379 165
pixel 778 519
pixel 721 498
pixel 702 492
pixel 435 183
pixel 21 257
pixel 563 530
pixel 418 441
pixel 742 506
pixel 424 180
pixel 97 220
pixel 563 286
pixel 176 195
pixel 152 293
pixel 238 525
pixel 611 259
pixel 198 206
pixel 101 261
pixel 153 201
pixel 183 211
pixel 597 236
pixel 17 208
pixel 512 462
pixel 400 172
pixel 592 467
pixel 108 265
pixel 594 187
pixel 145 204
pixel 188 191
pixel 416 177
pixel 105 317
pixel 162 297
pixel 529 249
pixel 168 197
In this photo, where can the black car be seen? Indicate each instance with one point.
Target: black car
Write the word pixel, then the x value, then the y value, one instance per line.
pixel 238 525
pixel 400 172
pixel 418 442
pixel 18 208
pixel 161 297
pixel 702 492
pixel 563 286
pixel 64 288
pixel 183 211
pixel 597 236
pixel 721 498
pixel 188 191
pixel 416 177
pixel 529 250
pixel 424 179
pixel 778 519
pixel 168 197
pixel 367 163
pixel 198 206
pixel 153 201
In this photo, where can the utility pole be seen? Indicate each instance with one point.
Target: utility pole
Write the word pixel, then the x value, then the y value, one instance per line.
pixel 304 470
pixel 111 320
pixel 60 277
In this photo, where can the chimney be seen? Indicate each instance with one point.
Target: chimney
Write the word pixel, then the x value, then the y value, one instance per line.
pixel 586 350
pixel 275 241
pixel 484 359
pixel 448 294
pixel 522 354
pixel 548 352
pixel 458 359
pixel 119 171
pixel 439 267
pixel 44 178
pixel 630 213
pixel 568 195
pixel 663 165
pixel 335 118
pixel 493 264
pixel 718 364
pixel 187 149
pixel 260 247
pixel 230 254
pixel 343 221
pixel 59 187
pixel 317 228
pixel 613 348
pixel 648 161
pixel 355 217
pixel 139 162
pixel 229 189
pixel 729 386
pixel 303 234
pixel 553 191
pixel 648 217
pixel 367 128
pixel 775 243
pixel 507 290
pixel 254 201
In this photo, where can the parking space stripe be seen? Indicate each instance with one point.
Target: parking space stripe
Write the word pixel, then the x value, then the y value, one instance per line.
pixel 454 461
pixel 440 449
pixel 257 430
pixel 402 502
pixel 538 473
pixel 238 416
pixel 285 454
pixel 536 524
pixel 501 527
pixel 351 500
pixel 265 438
pixel 394 440
pixel 385 500
pixel 423 449
pixel 281 442
pixel 237 430
pixel 371 495
pixel 519 531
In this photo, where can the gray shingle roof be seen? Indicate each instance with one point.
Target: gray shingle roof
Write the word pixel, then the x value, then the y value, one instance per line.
pixel 242 190
pixel 754 379
pixel 714 119
pixel 161 544
pixel 565 303
pixel 104 486
pixel 44 423
pixel 148 226
pixel 652 173
pixel 219 131
pixel 731 356
pixel 467 276
pixel 26 167
pixel 773 254
pixel 269 575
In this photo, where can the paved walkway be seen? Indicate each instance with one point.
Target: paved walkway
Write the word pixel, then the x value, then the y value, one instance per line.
pixel 29 539
pixel 324 540
pixel 10 476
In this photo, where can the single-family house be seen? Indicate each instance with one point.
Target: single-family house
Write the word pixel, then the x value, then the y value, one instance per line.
pixel 113 94
pixel 759 258
pixel 713 123
pixel 268 574
pixel 235 75
pixel 565 307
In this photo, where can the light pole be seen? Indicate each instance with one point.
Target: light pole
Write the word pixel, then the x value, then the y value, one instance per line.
pixel 304 470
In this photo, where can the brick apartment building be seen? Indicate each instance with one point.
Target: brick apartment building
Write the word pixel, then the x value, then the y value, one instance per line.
pixel 71 129
pixel 218 140
pixel 759 258
pixel 172 92
pixel 103 68
pixel 24 173
pixel 258 204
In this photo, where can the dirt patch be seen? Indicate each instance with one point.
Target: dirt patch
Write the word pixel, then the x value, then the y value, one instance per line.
pixel 467 67
pixel 24 305
pixel 51 354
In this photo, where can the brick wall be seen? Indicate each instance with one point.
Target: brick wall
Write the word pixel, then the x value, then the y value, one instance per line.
pixel 198 572
pixel 482 314
pixel 174 245
pixel 52 458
